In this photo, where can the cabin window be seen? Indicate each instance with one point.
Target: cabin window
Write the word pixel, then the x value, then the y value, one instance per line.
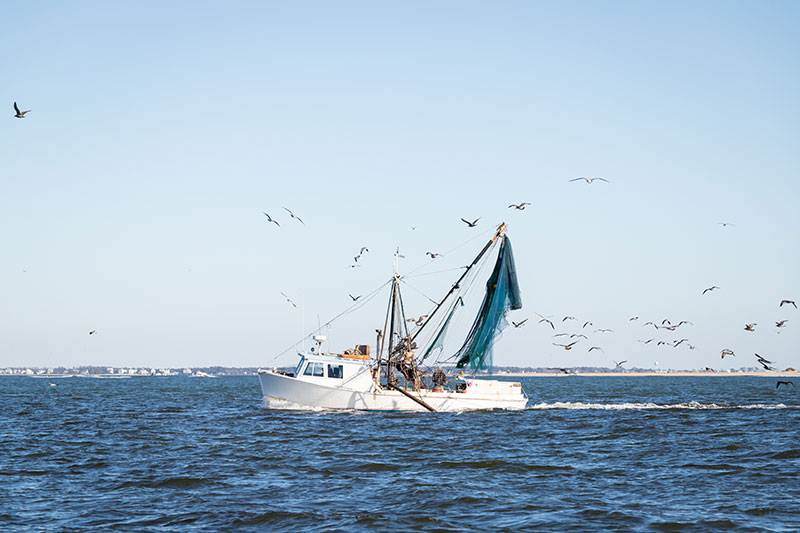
pixel 315 369
pixel 335 371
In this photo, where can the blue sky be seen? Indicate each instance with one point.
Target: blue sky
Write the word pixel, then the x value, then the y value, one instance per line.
pixel 131 195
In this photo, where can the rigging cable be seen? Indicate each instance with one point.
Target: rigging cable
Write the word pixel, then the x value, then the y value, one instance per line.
pixel 356 305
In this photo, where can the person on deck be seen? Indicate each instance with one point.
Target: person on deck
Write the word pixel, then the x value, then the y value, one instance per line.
pixel 439 377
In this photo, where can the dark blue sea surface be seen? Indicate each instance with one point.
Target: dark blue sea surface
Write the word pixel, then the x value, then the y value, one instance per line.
pixel 590 453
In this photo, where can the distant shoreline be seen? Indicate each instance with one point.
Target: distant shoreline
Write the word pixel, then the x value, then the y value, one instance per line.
pixel 665 373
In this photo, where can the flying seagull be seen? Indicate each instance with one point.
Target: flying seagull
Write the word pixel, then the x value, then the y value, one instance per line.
pixel 354 297
pixel 520 207
pixel 519 324
pixel 418 321
pixel 566 346
pixel 589 180
pixel 763 360
pixel 433 255
pixel 788 302
pixel 619 365
pixel 270 219
pixel 778 384
pixel 471 224
pixel 710 289
pixel 750 327
pixel 725 352
pixel 781 323
pixel 595 348
pixel 19 114
pixel 724 224
pixel 633 318
pixel 93 332
pixel 289 300
pixel 766 366
pixel 548 321
pixel 294 216
pixel 568 318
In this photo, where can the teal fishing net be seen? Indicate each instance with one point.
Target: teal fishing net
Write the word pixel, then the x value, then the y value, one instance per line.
pixel 502 295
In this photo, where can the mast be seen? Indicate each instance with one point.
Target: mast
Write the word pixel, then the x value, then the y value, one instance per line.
pixel 501 229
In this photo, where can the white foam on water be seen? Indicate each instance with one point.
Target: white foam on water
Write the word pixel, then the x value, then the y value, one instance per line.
pixel 646 406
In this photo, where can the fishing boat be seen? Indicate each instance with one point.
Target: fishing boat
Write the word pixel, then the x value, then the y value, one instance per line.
pixel 401 374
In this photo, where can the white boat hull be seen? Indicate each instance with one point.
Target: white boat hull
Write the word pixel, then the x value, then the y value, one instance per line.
pixel 281 390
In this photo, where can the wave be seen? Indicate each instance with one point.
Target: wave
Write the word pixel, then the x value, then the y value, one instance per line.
pixel 651 406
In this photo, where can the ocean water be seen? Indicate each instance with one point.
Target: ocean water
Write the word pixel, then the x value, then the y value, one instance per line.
pixel 589 454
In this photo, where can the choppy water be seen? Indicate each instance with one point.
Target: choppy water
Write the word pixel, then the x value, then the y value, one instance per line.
pixel 590 453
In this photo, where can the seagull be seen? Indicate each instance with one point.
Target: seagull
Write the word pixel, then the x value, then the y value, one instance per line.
pixel 363 249
pixel 648 341
pixel 595 348
pixel 763 360
pixel 548 321
pixel 778 384
pixel 352 266
pixel 54 385
pixel 471 224
pixel 20 114
pixel 724 224
pixel 354 297
pixel 766 366
pixel 289 300
pixel 619 365
pixel 725 352
pixel 677 343
pixel 578 335
pixel 418 321
pixel 567 371
pixel 520 207
pixel 270 219
pixel 93 332
pixel 433 255
pixel 710 289
pixel 587 324
pixel 633 318
pixel 566 346
pixel 750 327
pixel 294 216
pixel 603 330
pixel 568 318
pixel 589 180
pixel 518 324
pixel 560 334
pixel 781 323
pixel 788 302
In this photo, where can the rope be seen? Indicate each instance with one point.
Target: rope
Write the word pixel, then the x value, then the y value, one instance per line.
pixel 356 305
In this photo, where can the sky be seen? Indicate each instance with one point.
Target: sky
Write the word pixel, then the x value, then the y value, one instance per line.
pixel 132 195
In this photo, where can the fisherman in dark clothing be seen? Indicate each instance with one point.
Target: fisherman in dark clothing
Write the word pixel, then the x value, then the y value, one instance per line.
pixel 439 377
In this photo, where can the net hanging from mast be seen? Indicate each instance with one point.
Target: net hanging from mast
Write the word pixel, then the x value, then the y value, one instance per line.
pixel 502 295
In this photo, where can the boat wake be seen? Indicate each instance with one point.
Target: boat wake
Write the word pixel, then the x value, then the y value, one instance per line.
pixel 652 406
pixel 286 405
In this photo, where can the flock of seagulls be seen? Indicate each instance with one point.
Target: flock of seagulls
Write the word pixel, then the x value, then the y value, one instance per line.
pixel 291 214
pixel 664 325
